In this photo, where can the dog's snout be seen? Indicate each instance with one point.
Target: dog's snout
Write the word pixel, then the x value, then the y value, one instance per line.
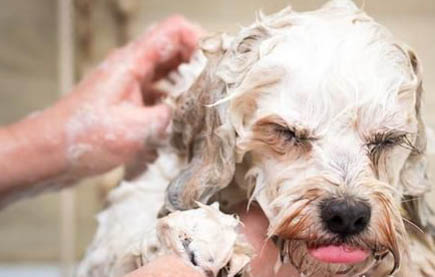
pixel 344 217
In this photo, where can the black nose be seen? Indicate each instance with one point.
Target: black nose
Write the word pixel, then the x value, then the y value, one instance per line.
pixel 345 217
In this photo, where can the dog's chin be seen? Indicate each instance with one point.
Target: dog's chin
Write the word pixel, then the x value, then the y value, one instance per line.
pixel 316 259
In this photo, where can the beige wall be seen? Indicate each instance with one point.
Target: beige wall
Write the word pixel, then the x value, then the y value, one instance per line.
pixel 29 230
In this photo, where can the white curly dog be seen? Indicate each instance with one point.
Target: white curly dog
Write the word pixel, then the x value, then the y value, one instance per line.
pixel 314 115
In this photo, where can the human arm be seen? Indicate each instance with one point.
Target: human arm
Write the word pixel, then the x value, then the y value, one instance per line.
pixel 102 123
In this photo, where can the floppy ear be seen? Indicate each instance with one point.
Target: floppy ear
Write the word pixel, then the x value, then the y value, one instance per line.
pixel 203 135
pixel 414 177
pixel 202 130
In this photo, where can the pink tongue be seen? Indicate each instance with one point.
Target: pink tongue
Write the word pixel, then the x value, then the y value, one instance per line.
pixel 339 254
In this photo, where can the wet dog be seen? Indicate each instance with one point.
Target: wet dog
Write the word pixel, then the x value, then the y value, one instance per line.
pixel 314 115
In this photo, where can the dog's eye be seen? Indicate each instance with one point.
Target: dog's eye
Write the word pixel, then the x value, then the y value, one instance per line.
pixel 286 133
pixel 385 141
pixel 290 135
pixel 382 141
pixel 281 138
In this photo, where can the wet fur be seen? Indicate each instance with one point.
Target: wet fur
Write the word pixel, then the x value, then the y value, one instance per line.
pixel 388 236
pixel 363 137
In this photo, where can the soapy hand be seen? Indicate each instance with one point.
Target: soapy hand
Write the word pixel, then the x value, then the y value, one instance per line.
pixel 110 118
pixel 107 120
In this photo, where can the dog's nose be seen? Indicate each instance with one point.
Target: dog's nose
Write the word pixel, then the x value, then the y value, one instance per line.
pixel 345 217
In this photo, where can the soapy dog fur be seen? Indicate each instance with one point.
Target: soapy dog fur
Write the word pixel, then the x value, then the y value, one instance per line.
pixel 301 112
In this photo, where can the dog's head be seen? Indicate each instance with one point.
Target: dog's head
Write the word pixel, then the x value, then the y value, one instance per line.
pixel 323 108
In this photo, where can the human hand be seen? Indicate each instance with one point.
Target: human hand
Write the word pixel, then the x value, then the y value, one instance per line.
pixel 166 266
pixel 102 123
pixel 104 118
pixel 255 229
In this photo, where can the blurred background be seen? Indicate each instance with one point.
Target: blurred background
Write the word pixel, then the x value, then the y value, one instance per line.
pixel 36 234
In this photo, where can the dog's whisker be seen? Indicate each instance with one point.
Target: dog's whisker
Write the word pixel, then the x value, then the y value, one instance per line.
pixel 413 225
pixel 416 198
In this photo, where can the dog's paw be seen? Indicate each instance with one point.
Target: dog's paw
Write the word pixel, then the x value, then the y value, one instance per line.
pixel 208 239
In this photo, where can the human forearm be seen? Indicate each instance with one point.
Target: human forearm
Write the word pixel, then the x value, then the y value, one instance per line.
pixel 102 123
pixel 32 154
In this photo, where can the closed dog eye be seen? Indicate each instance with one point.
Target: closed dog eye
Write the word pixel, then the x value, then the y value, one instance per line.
pixel 274 133
pixel 384 141
pixel 379 143
pixel 288 134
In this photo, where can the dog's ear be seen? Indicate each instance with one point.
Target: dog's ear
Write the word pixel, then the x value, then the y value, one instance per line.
pixel 414 175
pixel 203 135
pixel 202 130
